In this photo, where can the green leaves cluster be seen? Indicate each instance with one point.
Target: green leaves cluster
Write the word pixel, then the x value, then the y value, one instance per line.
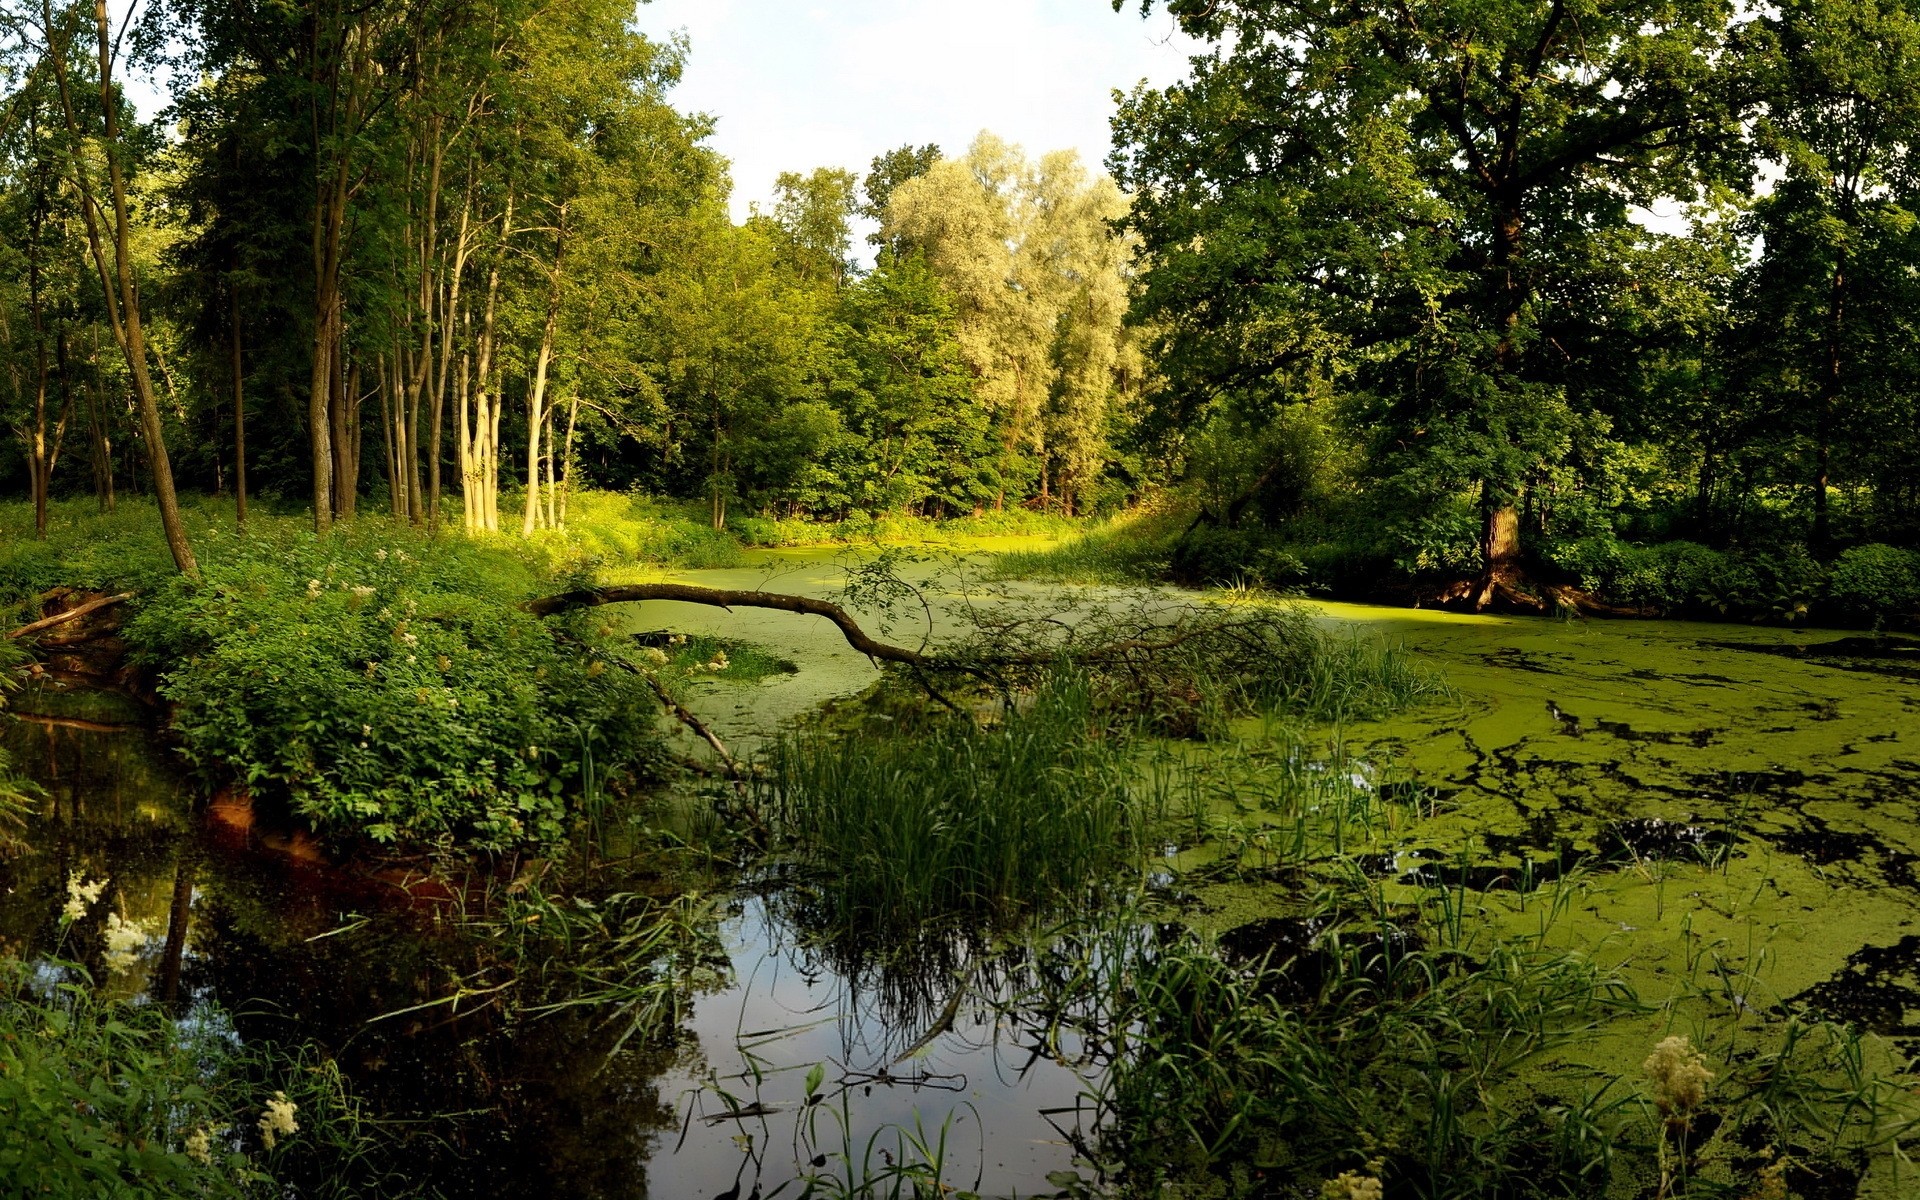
pixel 386 687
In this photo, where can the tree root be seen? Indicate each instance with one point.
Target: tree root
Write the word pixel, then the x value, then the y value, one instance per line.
pixel 72 614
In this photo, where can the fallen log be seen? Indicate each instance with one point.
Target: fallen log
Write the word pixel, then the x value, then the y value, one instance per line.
pixel 71 614
pixel 729 598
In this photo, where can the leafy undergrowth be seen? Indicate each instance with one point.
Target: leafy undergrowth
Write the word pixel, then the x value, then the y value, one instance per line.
pixel 105 1098
pixel 1864 585
pixel 381 682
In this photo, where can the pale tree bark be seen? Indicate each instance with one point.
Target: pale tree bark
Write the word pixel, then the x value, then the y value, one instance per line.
pixel 536 395
pixel 450 304
pixel 122 298
pixel 487 388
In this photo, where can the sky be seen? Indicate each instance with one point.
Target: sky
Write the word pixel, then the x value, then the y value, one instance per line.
pixel 798 85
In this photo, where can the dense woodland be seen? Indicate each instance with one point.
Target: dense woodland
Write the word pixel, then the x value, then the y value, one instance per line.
pixel 1376 297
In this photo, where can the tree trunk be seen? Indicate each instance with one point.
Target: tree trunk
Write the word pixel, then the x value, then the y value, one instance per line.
pixel 37 438
pixel 122 300
pixel 536 395
pixel 566 460
pixel 239 415
pixel 1828 402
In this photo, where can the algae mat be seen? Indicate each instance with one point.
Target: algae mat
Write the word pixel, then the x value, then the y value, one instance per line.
pixel 1752 790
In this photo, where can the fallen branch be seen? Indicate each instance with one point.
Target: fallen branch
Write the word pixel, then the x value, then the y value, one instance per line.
pixel 729 599
pixel 685 717
pixel 46 623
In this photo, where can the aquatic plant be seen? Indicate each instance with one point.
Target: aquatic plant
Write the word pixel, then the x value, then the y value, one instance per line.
pixel 889 830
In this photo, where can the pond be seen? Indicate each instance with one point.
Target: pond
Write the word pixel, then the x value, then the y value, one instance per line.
pixel 1742 791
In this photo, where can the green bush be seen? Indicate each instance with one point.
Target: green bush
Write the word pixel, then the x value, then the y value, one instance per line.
pixel 1876 580
pixel 387 685
pixel 1683 577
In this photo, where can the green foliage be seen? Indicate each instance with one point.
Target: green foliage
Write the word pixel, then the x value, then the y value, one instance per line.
pixel 382 683
pixel 1686 577
pixel 1876 581
pixel 900 828
pixel 106 1099
pixel 387 685
pixel 1355 1049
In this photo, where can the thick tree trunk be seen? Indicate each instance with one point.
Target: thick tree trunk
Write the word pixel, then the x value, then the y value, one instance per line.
pixel 1500 555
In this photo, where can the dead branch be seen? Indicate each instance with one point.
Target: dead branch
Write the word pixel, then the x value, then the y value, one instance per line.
pixel 729 599
pixel 46 623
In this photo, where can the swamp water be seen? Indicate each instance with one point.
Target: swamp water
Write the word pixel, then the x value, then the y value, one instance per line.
pixel 1742 801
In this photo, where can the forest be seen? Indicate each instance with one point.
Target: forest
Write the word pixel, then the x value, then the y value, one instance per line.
pixel 1362 647
pixel 1436 345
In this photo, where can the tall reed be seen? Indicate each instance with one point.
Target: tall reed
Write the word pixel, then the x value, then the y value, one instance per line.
pixel 892 830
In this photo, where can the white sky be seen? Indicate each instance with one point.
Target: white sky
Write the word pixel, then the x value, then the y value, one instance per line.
pixel 834 82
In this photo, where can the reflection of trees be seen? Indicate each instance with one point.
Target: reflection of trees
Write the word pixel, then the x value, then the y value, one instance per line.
pixel 524 1102
pixel 475 1105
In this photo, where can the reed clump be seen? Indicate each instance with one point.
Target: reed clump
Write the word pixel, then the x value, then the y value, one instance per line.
pixel 891 830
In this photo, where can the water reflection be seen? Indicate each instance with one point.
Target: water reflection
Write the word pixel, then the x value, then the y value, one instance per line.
pixel 808 1069
pixel 482 1101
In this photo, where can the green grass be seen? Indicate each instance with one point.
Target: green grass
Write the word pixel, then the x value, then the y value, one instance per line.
pixel 1132 548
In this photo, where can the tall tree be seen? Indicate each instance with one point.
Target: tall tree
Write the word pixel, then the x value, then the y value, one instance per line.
pixel 1394 188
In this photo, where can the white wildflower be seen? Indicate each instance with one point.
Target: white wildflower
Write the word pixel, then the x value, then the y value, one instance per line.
pixel 1679 1076
pixel 123 940
pixel 200 1146
pixel 313 587
pixel 656 656
pixel 380 554
pixel 1352 1186
pixel 363 591
pixel 278 1119
pixel 80 895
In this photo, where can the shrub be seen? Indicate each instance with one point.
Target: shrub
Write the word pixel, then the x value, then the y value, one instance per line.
pixel 1876 580
pixel 387 685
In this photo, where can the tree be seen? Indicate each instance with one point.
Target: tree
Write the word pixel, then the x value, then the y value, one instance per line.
pixel 1402 191
pixel 1831 296
pixel 901 385
pixel 1029 258
pixel 102 188
pixel 812 212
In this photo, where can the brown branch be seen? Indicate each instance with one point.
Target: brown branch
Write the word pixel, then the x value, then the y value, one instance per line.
pixel 729 598
pixel 72 613
pixel 685 717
